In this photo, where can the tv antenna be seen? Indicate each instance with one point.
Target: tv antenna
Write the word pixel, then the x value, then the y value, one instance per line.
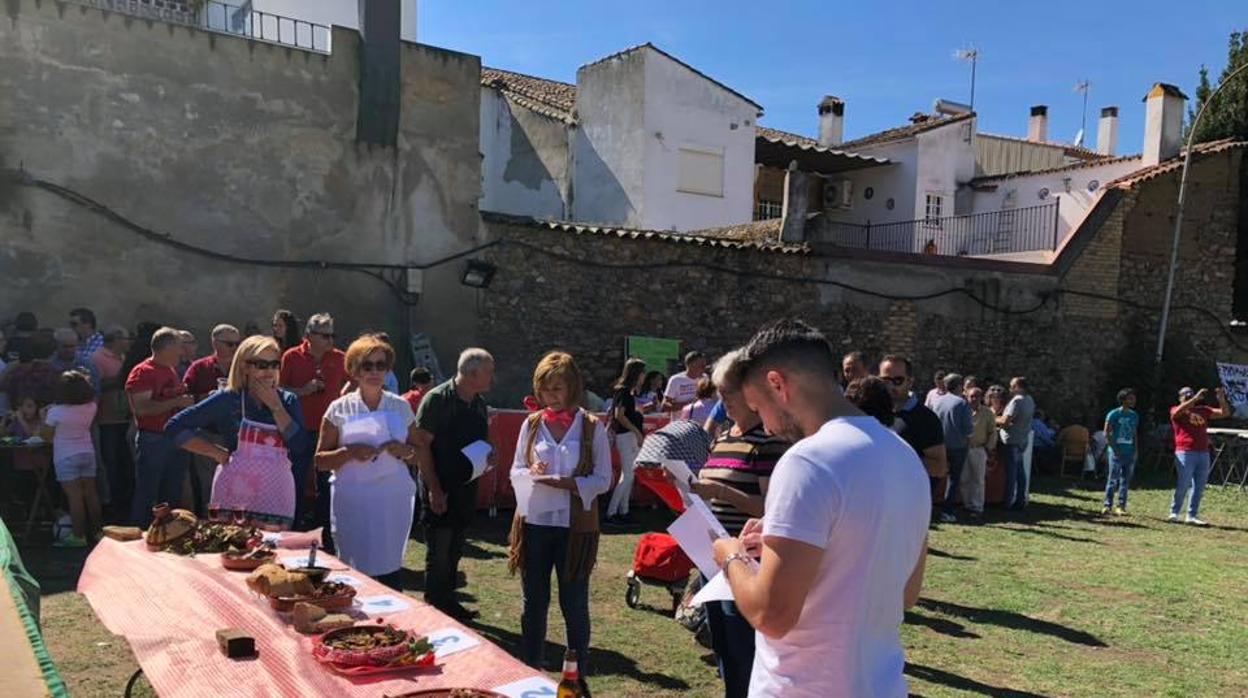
pixel 1083 87
pixel 969 54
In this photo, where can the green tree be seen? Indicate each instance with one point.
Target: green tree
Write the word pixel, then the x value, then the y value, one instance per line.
pixel 1228 114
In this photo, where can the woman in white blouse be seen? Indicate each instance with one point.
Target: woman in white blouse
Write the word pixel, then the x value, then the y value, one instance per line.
pixel 366 442
pixel 562 464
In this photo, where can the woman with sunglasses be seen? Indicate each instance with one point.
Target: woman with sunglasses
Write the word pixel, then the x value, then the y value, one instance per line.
pixel 259 425
pixel 366 442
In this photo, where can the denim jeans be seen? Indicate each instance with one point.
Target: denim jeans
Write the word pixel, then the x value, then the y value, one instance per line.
pixel 1121 466
pixel 732 638
pixel 1194 473
pixel 957 459
pixel 545 549
pixel 158 475
pixel 1015 476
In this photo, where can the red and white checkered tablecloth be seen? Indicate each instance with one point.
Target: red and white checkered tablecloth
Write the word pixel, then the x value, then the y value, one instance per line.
pixel 168 608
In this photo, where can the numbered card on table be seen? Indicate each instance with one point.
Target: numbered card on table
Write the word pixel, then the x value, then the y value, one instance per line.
pixel 532 687
pixel 382 605
pixel 448 641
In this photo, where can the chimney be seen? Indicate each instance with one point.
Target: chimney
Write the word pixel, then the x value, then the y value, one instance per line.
pixel 1163 123
pixel 831 121
pixel 377 119
pixel 1038 124
pixel 1107 131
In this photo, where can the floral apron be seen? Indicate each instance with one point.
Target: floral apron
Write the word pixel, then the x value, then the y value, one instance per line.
pixel 255 487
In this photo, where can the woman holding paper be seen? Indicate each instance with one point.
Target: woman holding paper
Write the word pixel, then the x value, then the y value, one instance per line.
pixel 734 483
pixel 562 464
pixel 366 441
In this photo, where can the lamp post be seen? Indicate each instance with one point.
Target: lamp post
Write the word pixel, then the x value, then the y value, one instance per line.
pixel 1178 216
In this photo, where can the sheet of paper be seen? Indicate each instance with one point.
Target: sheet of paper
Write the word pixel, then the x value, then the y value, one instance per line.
pixel 715 590
pixel 532 687
pixel 694 530
pixel 382 604
pixel 448 641
pixel 681 472
pixel 546 499
pixel 477 453
pixel 370 429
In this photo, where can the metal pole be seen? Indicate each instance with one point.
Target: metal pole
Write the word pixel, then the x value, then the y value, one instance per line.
pixel 974 60
pixel 1178 216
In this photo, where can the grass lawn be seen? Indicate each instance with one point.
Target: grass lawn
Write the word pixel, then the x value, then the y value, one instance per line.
pixel 1056 602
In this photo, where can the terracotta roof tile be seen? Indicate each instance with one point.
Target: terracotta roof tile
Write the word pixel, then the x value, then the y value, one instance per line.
pixel 902 132
pixel 1175 163
pixel 550 97
pixel 730 237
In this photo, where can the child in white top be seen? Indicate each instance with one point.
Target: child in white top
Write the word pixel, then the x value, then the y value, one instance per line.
pixel 67 423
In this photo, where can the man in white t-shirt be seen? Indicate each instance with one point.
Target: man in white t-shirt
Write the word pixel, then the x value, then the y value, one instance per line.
pixel 682 388
pixel 844 537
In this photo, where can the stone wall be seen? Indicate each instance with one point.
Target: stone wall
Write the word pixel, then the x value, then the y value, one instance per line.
pixel 586 290
pixel 241 147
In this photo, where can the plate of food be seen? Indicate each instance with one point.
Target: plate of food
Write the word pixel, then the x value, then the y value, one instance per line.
pixel 372 648
pixel 248 561
pixel 328 595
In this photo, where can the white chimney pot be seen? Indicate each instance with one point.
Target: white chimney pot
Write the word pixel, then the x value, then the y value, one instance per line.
pixel 1107 131
pixel 831 121
pixel 1163 123
pixel 1038 124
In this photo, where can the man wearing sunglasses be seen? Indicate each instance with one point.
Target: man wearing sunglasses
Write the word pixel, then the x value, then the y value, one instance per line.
pixel 315 371
pixel 916 424
pixel 202 379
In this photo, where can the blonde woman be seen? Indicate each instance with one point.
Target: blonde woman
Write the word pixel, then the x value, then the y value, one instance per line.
pixel 564 459
pixel 260 426
pixel 366 442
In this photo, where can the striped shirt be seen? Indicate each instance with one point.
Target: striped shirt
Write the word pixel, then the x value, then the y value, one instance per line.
pixel 741 462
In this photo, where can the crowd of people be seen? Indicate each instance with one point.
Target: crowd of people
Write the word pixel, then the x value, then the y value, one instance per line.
pixel 826 474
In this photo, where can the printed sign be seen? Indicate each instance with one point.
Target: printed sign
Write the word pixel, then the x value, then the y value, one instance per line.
pixel 1235 382
pixel 382 605
pixel 659 354
pixel 448 641
pixel 532 687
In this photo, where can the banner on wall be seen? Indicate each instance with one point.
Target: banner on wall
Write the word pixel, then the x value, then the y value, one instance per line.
pixel 659 354
pixel 1235 382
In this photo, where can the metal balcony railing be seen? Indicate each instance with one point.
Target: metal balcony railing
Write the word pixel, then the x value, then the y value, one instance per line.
pixel 244 21
pixel 995 232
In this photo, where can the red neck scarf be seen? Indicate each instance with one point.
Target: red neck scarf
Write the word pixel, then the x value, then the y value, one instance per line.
pixel 563 418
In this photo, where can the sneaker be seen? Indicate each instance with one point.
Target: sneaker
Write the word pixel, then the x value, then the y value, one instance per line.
pixel 948 517
pixel 1173 518
pixel 1196 522
pixel 1120 511
pixel 70 541
pixel 1105 511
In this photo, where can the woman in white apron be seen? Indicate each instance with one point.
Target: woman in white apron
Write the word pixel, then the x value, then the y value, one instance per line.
pixel 259 425
pixel 366 442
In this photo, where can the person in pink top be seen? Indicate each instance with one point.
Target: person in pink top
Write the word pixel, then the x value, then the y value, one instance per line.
pixel 67 424
pixel 1190 421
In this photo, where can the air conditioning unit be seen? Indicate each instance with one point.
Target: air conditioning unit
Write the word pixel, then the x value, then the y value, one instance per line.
pixel 838 194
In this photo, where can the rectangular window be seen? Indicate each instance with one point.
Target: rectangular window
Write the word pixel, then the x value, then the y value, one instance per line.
pixel 767 210
pixel 933 210
pixel 701 171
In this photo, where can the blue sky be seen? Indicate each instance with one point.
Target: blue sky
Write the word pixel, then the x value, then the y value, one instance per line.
pixel 886 60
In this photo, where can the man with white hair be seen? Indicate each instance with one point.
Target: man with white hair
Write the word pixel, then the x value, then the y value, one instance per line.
pixel 315 371
pixel 67 357
pixel 451 416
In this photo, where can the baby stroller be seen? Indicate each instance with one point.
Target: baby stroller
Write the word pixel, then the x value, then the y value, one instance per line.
pixel 658 560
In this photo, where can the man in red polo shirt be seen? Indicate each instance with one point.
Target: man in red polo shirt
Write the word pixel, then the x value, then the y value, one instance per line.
pixel 314 371
pixel 156 394
pixel 203 377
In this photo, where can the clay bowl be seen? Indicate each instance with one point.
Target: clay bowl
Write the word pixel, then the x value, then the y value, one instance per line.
pixel 316 575
pixel 343 599
pixel 242 562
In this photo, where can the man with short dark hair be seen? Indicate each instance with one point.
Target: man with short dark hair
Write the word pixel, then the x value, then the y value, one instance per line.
pixel 34 375
pixel 156 394
pixel 82 322
pixel 1015 426
pixel 682 388
pixel 843 538
pixel 938 389
pixel 420 380
pixel 853 367
pixel 1121 427
pixel 919 426
pixel 957 422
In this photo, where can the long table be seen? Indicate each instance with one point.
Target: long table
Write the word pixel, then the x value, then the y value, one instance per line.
pixel 168 608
